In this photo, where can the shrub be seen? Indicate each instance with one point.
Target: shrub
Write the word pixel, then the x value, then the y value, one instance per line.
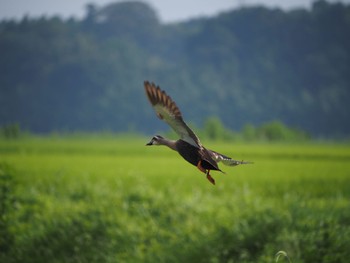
pixel 10 131
pixel 273 131
pixel 215 130
pixel 277 131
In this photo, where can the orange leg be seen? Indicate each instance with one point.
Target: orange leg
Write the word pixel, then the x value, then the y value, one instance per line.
pixel 211 179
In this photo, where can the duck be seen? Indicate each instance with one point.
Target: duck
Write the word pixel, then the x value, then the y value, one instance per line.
pixel 189 145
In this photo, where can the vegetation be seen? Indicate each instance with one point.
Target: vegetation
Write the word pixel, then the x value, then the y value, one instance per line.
pixel 10 131
pixel 251 65
pixel 114 200
pixel 213 130
pixel 275 131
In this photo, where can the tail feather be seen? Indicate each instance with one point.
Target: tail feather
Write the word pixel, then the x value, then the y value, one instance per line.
pixel 218 157
pixel 231 162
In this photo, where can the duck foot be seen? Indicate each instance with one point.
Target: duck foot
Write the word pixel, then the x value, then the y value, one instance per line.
pixel 210 179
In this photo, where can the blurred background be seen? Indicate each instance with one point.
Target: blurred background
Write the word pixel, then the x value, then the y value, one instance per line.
pixel 77 183
pixel 79 66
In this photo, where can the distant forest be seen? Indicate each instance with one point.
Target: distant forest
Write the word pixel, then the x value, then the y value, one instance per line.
pixel 250 65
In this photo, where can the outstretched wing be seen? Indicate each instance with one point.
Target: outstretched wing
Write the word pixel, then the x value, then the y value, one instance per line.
pixel 167 111
pixel 218 157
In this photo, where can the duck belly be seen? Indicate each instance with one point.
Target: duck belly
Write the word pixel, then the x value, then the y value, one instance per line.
pixel 188 152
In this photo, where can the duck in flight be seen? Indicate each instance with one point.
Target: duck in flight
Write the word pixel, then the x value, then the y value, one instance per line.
pixel 189 145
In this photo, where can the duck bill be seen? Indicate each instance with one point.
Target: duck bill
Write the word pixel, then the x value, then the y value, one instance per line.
pixel 149 144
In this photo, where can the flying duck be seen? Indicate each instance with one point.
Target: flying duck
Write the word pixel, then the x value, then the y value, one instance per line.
pixel 189 145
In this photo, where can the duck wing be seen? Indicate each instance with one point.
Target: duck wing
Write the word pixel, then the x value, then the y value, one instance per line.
pixel 167 110
pixel 218 157
pixel 208 160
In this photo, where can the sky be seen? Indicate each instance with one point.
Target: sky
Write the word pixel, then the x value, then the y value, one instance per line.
pixel 168 10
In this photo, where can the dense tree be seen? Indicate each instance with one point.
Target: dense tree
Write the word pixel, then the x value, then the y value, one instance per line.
pixel 250 65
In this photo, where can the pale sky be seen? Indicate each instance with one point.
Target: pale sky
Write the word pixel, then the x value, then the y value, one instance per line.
pixel 167 10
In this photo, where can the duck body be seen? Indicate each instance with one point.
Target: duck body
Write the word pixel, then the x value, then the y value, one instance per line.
pixel 196 156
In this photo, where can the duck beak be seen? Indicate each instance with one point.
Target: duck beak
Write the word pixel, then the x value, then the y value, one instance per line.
pixel 149 144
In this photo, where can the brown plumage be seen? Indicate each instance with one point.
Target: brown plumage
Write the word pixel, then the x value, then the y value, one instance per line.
pixel 189 145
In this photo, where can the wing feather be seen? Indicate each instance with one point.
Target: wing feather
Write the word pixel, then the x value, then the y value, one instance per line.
pixel 167 110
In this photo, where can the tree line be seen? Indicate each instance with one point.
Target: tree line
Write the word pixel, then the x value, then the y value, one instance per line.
pixel 249 65
pixel 213 129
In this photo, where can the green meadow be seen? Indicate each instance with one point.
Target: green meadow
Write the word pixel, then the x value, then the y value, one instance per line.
pixel 115 200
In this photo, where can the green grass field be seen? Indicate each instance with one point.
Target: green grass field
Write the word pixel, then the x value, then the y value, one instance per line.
pixel 115 200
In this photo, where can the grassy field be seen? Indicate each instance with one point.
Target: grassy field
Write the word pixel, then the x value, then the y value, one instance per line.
pixel 114 200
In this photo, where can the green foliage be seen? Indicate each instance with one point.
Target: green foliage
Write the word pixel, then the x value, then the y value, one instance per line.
pixel 10 131
pixel 114 200
pixel 214 129
pixel 257 65
pixel 7 199
pixel 272 131
pixel 277 131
